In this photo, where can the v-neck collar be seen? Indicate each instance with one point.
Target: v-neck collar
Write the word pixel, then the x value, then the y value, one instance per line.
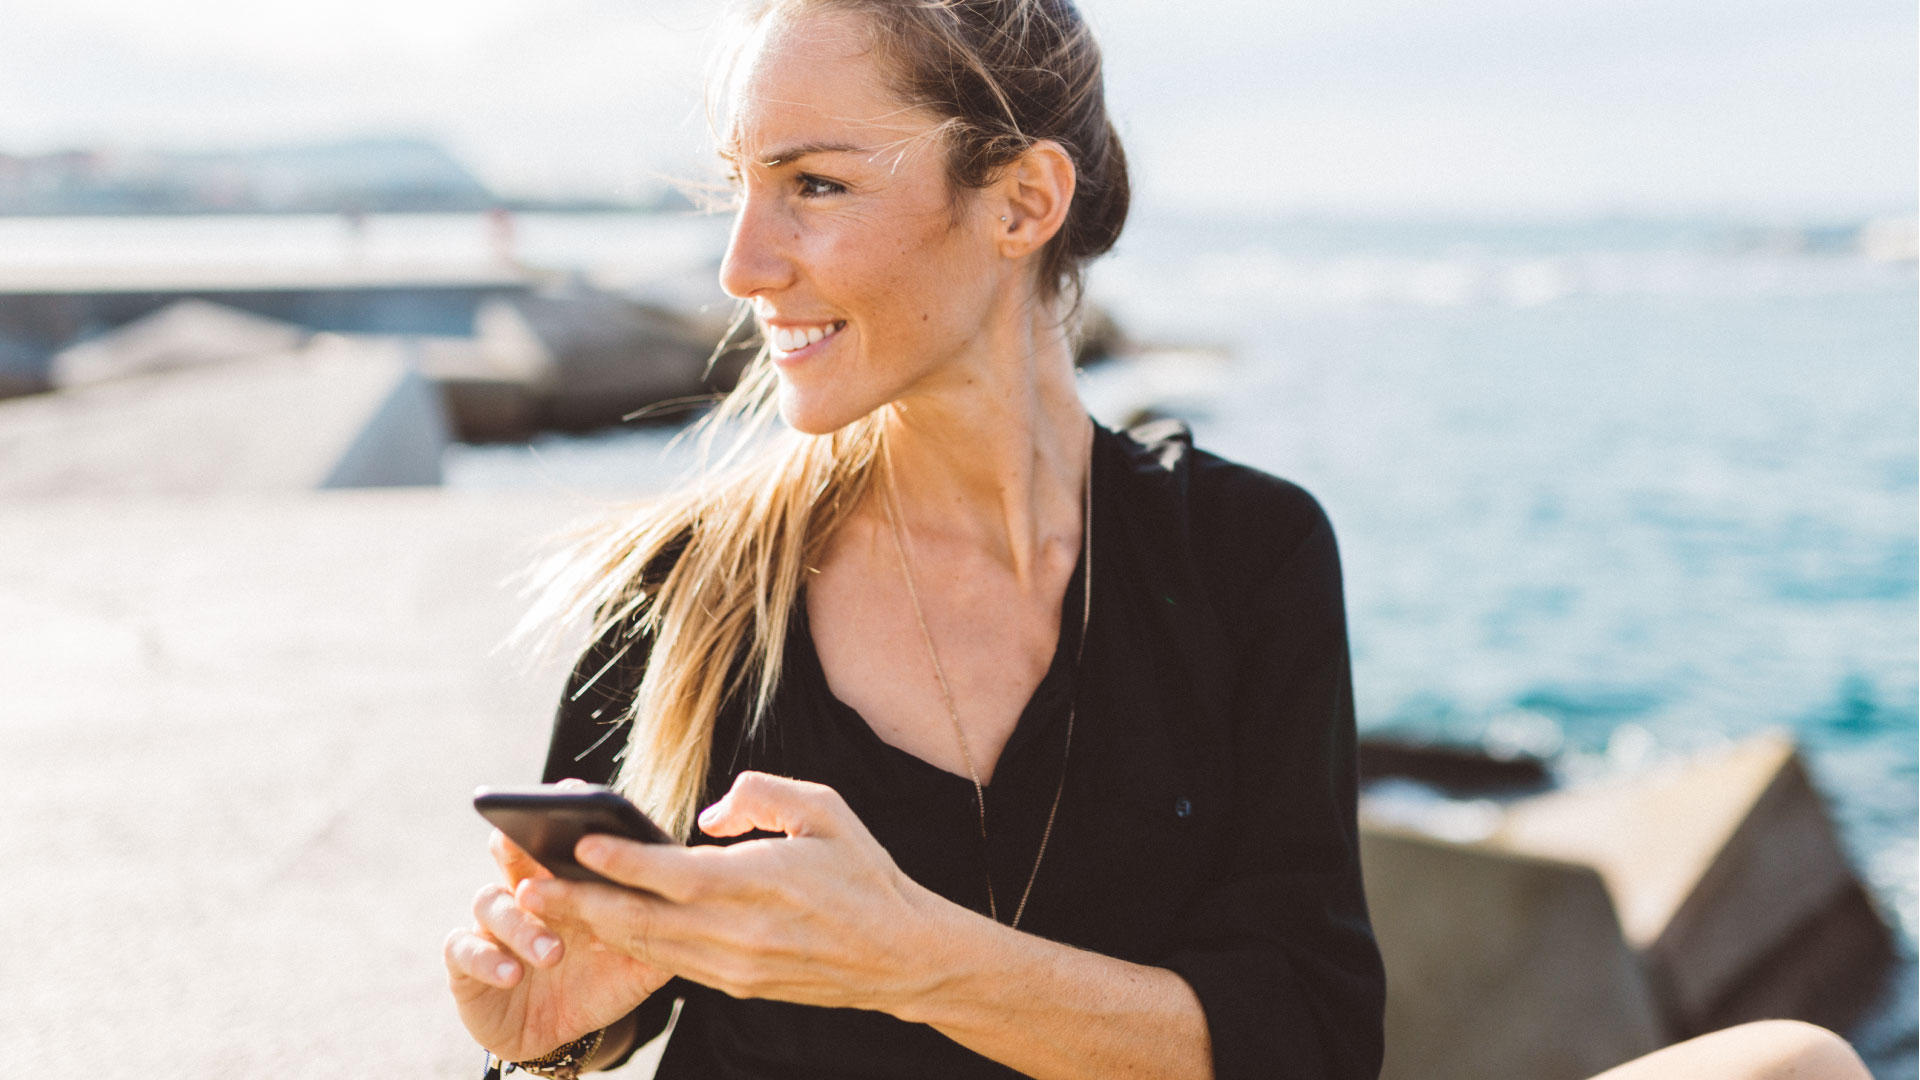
pixel 1046 706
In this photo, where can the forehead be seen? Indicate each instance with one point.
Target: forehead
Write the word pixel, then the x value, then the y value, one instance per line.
pixel 814 80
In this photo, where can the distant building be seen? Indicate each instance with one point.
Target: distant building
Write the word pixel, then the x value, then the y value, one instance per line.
pixel 368 175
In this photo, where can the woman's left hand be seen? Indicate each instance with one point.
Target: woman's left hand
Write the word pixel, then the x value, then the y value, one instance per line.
pixel 821 916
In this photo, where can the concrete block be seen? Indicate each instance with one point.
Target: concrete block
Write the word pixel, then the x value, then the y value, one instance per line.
pixel 400 444
pixel 1499 964
pixel 1716 865
pixel 608 355
pixel 23 366
pixel 184 334
pixel 572 362
pixel 492 385
pixel 338 412
pixel 1830 971
pixel 1595 923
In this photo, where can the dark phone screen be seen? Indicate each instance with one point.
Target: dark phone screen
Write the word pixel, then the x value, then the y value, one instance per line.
pixel 547 821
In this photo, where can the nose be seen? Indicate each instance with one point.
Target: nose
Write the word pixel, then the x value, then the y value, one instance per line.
pixel 757 259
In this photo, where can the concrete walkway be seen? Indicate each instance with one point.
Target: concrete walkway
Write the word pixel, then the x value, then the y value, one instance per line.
pixel 237 742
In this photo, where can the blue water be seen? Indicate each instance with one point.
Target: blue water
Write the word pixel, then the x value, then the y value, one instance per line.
pixel 1670 502
pixel 1612 491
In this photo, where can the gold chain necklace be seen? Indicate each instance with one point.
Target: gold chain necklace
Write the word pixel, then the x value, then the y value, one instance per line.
pixel 946 693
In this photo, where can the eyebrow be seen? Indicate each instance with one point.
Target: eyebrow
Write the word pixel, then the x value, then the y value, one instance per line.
pixel 794 153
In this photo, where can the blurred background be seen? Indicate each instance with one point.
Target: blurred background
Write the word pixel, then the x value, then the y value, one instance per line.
pixel 1593 325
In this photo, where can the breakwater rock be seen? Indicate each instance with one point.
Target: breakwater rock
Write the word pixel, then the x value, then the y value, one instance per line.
pixel 1556 933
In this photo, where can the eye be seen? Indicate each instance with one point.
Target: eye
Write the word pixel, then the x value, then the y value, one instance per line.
pixel 815 187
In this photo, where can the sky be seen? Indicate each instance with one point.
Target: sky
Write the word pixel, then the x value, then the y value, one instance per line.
pixel 1487 108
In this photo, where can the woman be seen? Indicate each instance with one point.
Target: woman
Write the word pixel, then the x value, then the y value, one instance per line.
pixel 891 606
pixel 1024 746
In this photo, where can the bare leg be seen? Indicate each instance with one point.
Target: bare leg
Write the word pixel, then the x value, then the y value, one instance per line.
pixel 1764 1050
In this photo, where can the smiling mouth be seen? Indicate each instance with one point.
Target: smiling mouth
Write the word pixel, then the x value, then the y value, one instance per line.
pixel 783 340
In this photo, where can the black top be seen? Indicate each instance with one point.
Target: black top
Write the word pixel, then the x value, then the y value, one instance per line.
pixel 1207 824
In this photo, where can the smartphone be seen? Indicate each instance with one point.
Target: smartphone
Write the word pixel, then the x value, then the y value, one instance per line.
pixel 548 820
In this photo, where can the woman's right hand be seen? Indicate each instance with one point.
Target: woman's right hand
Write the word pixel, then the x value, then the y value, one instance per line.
pixel 524 989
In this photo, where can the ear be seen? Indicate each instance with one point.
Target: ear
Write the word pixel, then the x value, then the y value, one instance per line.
pixel 1033 193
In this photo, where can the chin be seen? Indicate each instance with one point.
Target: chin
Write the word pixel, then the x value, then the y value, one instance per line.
pixel 809 415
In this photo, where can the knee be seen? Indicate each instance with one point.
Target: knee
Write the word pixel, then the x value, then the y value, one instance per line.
pixel 1795 1050
pixel 1762 1050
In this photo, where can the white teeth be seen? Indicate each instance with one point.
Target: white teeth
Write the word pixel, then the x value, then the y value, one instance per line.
pixel 785 340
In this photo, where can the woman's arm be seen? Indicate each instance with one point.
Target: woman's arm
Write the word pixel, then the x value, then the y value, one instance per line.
pixel 1050 1010
pixel 823 916
pixel 1277 943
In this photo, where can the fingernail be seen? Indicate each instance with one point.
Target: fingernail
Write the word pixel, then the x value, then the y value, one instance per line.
pixel 543 947
pixel 710 815
pixel 505 970
pixel 589 849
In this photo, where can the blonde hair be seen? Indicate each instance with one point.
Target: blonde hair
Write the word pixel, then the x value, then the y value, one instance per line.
pixel 711 572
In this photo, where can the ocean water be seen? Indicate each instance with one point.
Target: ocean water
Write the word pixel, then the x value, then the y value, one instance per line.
pixel 1615 498
pixel 1612 497
pixel 1608 491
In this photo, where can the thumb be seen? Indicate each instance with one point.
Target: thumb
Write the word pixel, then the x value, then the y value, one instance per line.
pixel 760 800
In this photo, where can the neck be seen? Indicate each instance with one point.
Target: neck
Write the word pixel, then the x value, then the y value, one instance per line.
pixel 998 456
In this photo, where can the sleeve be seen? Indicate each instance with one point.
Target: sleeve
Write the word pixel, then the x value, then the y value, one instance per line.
pixel 1279 948
pixel 589 731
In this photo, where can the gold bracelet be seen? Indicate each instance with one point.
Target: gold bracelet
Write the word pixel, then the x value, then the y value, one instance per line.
pixel 568 1061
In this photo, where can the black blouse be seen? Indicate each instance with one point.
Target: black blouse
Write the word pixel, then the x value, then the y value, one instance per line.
pixel 1207 824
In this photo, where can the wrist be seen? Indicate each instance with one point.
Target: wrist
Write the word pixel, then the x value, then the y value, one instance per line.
pixel 617 1043
pixel 951 949
pixel 567 1061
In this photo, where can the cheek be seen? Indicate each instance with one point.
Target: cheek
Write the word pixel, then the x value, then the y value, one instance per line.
pixel 897 273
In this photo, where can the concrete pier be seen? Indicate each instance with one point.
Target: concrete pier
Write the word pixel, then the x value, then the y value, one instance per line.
pixel 183 335
pixel 43 312
pixel 335 412
pixel 237 747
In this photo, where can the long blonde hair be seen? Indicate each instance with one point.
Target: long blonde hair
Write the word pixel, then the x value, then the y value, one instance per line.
pixel 739 537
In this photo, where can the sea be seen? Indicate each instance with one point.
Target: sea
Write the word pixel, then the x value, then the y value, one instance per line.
pixel 1609 491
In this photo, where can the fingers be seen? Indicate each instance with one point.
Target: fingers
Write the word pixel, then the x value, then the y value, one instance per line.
pixel 777 804
pixel 513 860
pixel 680 874
pixel 472 957
pixel 621 918
pixel 511 926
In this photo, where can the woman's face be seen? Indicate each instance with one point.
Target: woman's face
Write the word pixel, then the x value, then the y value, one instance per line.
pixel 844 239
